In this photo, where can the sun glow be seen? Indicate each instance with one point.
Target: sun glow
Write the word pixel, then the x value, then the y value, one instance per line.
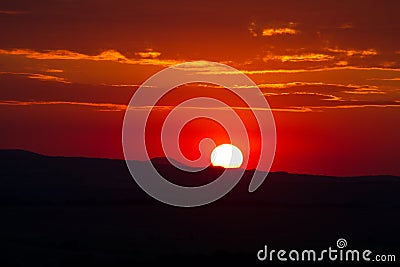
pixel 227 156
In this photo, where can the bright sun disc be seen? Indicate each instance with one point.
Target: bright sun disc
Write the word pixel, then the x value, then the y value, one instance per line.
pixel 227 156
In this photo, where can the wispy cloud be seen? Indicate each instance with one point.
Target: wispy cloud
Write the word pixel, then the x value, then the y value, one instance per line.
pixel 279 31
pixel 110 55
pixel 98 106
pixel 117 107
pixel 104 107
pixel 306 108
pixel 43 77
pixel 38 76
pixel 299 58
pixel 317 95
pixel 386 79
pixel 333 87
pixel 54 70
pixel 354 52
pixel 296 84
pixel 204 67
pixel 346 26
pixel 360 105
pixel 339 68
pixel 237 108
pixel 325 97
pixel 146 58
pixel 365 91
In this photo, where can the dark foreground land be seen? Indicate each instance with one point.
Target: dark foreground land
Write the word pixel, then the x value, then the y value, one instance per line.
pixel 89 212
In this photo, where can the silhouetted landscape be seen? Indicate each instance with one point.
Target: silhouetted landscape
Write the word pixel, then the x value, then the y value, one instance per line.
pixel 59 211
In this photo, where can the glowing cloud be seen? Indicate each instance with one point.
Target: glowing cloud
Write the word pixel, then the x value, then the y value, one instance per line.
pixel 300 58
pixel 54 70
pixel 353 52
pixel 109 55
pixel 148 54
pixel 43 77
pixel 278 31
pixel 147 58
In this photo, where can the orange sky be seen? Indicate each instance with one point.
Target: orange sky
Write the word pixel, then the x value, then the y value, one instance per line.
pixel 330 71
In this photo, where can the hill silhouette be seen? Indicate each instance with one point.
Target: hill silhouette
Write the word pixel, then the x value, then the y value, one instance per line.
pixel 60 211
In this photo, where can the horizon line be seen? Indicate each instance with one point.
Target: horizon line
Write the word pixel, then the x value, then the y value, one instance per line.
pixel 210 166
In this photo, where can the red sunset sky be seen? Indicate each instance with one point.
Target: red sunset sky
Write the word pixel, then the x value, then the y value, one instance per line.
pixel 330 71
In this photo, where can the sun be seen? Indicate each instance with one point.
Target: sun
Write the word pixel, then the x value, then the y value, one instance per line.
pixel 227 156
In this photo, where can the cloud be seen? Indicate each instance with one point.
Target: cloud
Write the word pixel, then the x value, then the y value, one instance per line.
pixel 109 55
pixel 122 85
pixel 304 88
pixel 365 91
pixel 359 105
pixel 353 52
pixel 54 70
pixel 386 79
pixel 325 97
pixel 316 96
pixel 148 54
pixel 148 58
pixel 339 68
pixel 332 86
pixel 279 31
pixel 39 76
pixel 285 29
pixel 205 68
pixel 318 101
pixel 311 99
pixel 98 106
pixel 346 26
pixel 237 108
pixel 43 77
pixel 300 58
pixel 119 107
pixel 342 63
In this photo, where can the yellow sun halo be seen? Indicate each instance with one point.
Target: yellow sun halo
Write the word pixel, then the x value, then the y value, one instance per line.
pixel 227 156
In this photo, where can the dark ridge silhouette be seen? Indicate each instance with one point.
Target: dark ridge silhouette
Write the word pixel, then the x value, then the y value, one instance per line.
pixel 60 211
